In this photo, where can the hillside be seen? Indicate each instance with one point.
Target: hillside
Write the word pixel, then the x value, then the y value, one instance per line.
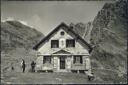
pixel 16 35
pixel 17 41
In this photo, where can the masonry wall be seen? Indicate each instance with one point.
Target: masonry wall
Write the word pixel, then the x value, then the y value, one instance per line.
pixel 69 65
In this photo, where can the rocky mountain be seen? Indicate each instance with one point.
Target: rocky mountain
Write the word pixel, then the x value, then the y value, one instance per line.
pixel 109 39
pixel 83 29
pixel 107 34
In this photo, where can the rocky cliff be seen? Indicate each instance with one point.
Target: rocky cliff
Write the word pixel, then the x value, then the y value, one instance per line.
pixel 107 34
pixel 83 29
pixel 109 41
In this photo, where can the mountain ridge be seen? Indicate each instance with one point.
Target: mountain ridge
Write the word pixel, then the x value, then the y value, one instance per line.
pixel 108 37
pixel 14 31
pixel 17 41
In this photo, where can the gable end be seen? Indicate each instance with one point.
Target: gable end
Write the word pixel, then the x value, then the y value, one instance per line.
pixel 36 47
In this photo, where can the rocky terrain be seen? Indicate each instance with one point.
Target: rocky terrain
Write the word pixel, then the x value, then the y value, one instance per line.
pixel 107 34
pixel 84 30
pixel 109 39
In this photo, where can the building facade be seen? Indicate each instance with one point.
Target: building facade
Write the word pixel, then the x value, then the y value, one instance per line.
pixel 62 50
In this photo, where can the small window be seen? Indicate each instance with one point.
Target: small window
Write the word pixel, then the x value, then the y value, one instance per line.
pixel 62 33
pixel 54 43
pixel 70 43
pixel 77 59
pixel 47 59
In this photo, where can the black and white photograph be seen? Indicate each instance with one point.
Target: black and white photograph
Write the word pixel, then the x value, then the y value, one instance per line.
pixel 64 42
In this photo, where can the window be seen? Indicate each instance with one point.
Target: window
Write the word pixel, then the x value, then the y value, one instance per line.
pixel 47 59
pixel 54 43
pixel 62 33
pixel 70 43
pixel 77 59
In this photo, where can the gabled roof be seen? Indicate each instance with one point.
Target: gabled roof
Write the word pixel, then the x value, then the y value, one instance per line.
pixel 36 47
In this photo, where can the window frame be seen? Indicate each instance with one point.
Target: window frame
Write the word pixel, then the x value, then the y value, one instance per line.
pixel 45 60
pixel 62 33
pixel 69 40
pixel 75 60
pixel 53 41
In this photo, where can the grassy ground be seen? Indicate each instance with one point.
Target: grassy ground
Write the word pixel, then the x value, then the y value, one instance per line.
pixel 44 78
pixel 17 77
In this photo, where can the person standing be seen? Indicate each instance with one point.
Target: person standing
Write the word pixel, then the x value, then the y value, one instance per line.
pixel 23 65
pixel 33 66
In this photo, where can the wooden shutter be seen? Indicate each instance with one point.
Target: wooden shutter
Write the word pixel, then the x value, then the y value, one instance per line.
pixel 81 59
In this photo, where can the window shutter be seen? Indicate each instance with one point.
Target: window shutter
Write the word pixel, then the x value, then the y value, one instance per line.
pixel 74 59
pixel 81 59
pixel 44 60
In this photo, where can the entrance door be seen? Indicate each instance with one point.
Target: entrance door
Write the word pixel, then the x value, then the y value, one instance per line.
pixel 62 62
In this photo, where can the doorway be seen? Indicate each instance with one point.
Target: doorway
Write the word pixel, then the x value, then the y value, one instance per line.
pixel 62 62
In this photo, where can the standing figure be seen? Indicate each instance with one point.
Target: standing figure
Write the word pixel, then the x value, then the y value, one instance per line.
pixel 12 68
pixel 33 66
pixel 23 65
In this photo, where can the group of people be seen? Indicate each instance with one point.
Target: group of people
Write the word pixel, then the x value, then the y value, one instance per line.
pixel 23 65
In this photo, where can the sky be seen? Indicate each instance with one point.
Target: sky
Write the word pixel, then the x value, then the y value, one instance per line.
pixel 46 15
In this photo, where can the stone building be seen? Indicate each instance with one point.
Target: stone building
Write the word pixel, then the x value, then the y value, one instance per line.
pixel 62 50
